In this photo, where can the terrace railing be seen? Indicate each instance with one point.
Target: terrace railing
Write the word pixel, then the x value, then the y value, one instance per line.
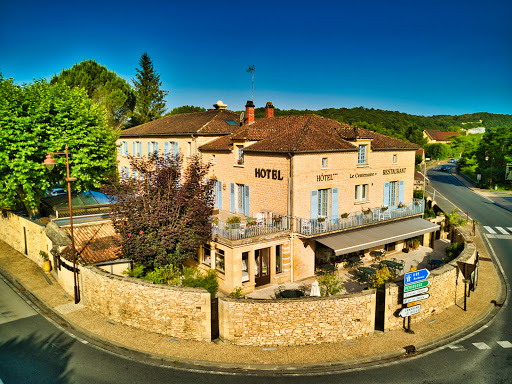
pixel 249 229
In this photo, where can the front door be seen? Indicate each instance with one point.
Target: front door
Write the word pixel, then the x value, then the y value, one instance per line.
pixel 262 266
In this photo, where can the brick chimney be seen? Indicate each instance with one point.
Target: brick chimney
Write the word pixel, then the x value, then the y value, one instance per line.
pixel 249 112
pixel 269 109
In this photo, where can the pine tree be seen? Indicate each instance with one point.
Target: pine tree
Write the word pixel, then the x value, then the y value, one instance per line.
pixel 150 98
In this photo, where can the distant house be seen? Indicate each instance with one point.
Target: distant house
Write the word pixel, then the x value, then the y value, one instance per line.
pixel 474 131
pixel 435 136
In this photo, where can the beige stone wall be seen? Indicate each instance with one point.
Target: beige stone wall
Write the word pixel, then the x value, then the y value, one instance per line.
pixel 24 235
pixel 446 288
pixel 297 321
pixel 183 313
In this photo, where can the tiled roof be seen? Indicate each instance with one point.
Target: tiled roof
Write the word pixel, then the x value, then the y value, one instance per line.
pixel 210 122
pixel 440 136
pixel 303 133
pixel 94 243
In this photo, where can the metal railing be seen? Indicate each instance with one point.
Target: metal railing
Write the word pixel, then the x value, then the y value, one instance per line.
pixel 250 228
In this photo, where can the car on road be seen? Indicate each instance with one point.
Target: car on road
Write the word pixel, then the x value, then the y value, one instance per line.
pixel 445 168
pixel 453 161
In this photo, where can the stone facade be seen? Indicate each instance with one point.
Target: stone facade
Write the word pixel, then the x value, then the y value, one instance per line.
pixel 297 321
pixel 183 313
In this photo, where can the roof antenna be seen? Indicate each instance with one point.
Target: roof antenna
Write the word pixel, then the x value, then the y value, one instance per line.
pixel 251 70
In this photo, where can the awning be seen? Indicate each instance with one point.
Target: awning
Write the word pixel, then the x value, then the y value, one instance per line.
pixel 365 238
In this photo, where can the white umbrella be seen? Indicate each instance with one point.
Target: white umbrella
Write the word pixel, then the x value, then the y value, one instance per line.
pixel 315 289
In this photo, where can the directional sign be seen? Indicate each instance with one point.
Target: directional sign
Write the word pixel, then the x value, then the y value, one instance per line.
pixel 415 292
pixel 412 277
pixel 409 311
pixel 413 286
pixel 416 298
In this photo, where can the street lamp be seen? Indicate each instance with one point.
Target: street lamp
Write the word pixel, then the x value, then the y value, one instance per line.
pixel 486 159
pixel 50 164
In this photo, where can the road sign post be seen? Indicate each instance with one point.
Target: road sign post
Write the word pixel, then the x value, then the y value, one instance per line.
pixel 415 288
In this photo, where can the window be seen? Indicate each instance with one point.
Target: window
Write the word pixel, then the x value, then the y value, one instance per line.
pixel 245 267
pixel 240 154
pixel 361 193
pixel 240 188
pixel 219 260
pixel 207 255
pixel 324 162
pixel 323 202
pixel 125 144
pixel 239 199
pixel 189 144
pixel 392 193
pixel 394 159
pixel 213 159
pixel 361 158
pixel 279 258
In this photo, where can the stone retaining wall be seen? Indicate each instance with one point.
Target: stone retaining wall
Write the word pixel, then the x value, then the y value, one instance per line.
pixel 183 313
pixel 297 321
pixel 446 288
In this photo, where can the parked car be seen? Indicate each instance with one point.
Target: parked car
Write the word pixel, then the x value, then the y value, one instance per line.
pixel 453 161
pixel 56 192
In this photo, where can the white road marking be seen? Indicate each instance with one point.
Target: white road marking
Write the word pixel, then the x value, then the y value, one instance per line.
pixel 481 346
pixel 509 228
pixel 489 229
pixel 505 344
pixel 502 230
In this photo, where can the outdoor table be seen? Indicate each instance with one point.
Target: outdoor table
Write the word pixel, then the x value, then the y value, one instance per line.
pixel 377 254
pixel 392 264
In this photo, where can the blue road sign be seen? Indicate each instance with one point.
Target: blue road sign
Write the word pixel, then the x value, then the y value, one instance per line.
pixel 412 277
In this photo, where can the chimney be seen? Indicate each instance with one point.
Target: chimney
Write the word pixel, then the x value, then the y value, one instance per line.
pixel 269 109
pixel 220 105
pixel 249 112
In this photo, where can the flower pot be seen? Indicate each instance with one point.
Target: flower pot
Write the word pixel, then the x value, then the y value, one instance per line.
pixel 47 266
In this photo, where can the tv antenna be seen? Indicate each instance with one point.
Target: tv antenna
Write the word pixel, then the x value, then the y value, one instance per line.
pixel 251 70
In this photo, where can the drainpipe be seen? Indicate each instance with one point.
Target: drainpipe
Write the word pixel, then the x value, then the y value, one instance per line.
pixel 290 212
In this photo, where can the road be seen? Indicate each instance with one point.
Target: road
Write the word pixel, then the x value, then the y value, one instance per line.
pixel 36 350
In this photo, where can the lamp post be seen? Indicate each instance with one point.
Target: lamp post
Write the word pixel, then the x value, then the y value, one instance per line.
pixel 50 163
pixel 486 159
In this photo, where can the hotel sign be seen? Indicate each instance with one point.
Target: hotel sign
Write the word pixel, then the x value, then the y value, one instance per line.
pixel 393 171
pixel 355 175
pixel 328 177
pixel 268 174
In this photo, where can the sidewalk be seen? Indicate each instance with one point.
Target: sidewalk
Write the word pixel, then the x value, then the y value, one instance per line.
pixel 140 344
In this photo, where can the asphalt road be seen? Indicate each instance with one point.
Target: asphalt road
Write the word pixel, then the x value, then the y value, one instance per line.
pixel 34 349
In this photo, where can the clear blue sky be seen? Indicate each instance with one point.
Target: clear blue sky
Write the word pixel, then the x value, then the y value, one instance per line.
pixel 421 57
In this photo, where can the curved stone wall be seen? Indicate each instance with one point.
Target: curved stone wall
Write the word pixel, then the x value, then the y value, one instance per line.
pixel 183 313
pixel 310 320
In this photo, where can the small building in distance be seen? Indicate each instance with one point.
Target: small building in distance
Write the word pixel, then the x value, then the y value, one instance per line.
pixel 436 136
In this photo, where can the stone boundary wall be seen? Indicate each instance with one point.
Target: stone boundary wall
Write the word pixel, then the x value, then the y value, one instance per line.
pixel 183 313
pixel 15 230
pixel 446 288
pixel 310 320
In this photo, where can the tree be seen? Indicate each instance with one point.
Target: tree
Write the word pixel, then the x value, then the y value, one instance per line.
pixel 163 216
pixel 40 118
pixel 102 86
pixel 150 98
pixel 186 109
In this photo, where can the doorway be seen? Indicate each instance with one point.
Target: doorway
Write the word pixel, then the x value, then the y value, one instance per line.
pixel 262 266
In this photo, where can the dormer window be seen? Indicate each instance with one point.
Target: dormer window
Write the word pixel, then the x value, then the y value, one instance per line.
pixel 240 154
pixel 361 157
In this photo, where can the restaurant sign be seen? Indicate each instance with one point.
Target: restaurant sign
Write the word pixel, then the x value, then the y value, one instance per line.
pixel 356 175
pixel 393 171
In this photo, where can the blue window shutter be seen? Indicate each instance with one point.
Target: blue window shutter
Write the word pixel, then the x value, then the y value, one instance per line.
pixel 176 149
pixel 140 148
pixel 149 148
pixel 156 148
pixel 334 204
pixel 401 191
pixel 121 149
pixel 246 201
pixel 133 148
pixel 314 205
pixel 126 148
pixel 219 194
pixel 232 198
pixel 386 194
pixel 166 148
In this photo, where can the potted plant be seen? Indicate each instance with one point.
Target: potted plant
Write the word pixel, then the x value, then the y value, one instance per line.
pixel 47 266
pixel 277 219
pixel 384 208
pixel 344 215
pixel 321 219
pixel 240 161
pixel 367 211
pixel 401 205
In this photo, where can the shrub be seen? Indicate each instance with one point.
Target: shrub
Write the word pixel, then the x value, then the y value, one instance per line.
pixel 44 255
pixel 453 250
pixel 330 284
pixel 168 274
pixel 232 220
pixel 137 271
pixel 381 277
pixel 237 293
pixel 193 277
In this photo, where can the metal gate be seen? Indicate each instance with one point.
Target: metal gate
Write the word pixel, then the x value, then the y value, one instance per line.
pixel 215 318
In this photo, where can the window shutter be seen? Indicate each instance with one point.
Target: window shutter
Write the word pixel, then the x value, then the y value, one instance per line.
pixel 386 194
pixel 175 148
pixel 140 148
pixel 334 204
pixel 126 148
pixel 314 205
pixel 156 148
pixel 166 148
pixel 149 149
pixel 133 148
pixel 232 202
pixel 246 201
pixel 401 191
pixel 219 194
pixel 121 149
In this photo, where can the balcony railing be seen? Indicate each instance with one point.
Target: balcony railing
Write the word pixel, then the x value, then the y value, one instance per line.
pixel 310 227
pixel 355 219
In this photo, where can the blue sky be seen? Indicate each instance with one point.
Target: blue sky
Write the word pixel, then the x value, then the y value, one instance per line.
pixel 420 57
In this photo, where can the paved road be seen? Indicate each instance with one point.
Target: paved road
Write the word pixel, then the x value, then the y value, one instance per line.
pixel 35 350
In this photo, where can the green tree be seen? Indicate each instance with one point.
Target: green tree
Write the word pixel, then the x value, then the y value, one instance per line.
pixel 186 109
pixel 163 216
pixel 40 118
pixel 150 98
pixel 102 86
pixel 437 151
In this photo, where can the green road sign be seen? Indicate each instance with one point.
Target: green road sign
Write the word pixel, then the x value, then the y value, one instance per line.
pixel 413 286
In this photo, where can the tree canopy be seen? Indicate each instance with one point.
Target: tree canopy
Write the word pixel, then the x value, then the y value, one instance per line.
pixel 150 97
pixel 104 87
pixel 163 215
pixel 185 109
pixel 38 118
